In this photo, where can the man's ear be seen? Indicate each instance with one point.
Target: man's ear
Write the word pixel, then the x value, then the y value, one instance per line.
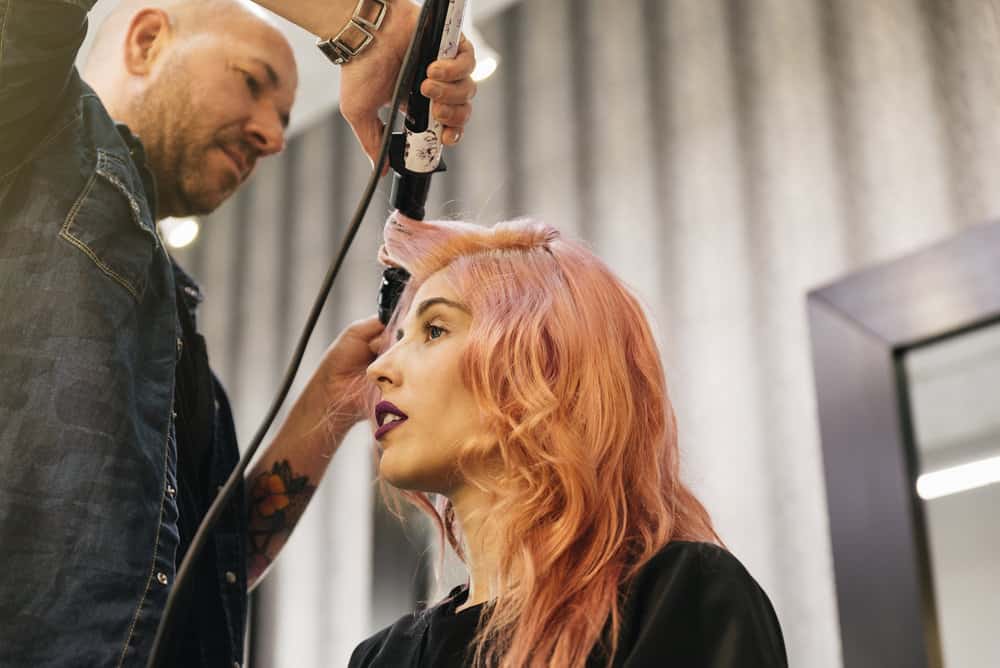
pixel 148 34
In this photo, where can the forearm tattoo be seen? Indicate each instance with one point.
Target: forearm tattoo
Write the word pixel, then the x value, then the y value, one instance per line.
pixel 277 500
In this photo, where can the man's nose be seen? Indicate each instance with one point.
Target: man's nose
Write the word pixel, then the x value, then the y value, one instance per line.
pixel 266 132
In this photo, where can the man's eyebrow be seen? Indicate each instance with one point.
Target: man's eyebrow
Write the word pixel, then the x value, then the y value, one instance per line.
pixel 271 74
pixel 433 301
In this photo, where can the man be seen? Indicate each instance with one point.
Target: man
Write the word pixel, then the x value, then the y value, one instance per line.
pixel 114 434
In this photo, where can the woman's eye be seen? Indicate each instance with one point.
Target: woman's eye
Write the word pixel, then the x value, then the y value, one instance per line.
pixel 435 332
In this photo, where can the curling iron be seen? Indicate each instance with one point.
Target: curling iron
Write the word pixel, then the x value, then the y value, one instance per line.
pixel 419 155
pixel 415 153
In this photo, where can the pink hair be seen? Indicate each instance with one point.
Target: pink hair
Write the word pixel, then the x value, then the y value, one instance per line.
pixel 564 367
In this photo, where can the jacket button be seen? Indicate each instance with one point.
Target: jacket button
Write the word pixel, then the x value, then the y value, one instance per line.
pixel 231 577
pixel 180 346
pixel 171 492
pixel 161 577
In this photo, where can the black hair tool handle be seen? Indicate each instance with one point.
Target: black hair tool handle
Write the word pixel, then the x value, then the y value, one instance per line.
pixel 393 281
pixel 415 153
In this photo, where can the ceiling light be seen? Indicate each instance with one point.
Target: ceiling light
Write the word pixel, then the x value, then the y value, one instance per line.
pixel 179 232
pixel 487 59
pixel 484 67
pixel 959 478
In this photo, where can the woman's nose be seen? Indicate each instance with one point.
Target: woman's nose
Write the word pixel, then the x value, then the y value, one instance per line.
pixel 381 371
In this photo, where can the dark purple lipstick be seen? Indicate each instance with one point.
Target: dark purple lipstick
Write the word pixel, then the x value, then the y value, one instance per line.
pixel 387 417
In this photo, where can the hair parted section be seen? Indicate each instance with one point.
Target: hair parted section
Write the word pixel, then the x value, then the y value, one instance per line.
pixel 565 370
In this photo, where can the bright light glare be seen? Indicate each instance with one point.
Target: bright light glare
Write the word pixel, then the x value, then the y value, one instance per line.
pixel 179 232
pixel 485 66
pixel 959 478
pixel 487 58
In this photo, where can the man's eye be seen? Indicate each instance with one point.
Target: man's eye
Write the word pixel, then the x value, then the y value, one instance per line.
pixel 252 83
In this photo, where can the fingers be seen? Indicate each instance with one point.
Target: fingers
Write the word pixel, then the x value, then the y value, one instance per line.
pixel 452 115
pixel 367 329
pixel 376 334
pixel 448 70
pixel 454 92
pixel 450 88
pixel 454 118
pixel 451 136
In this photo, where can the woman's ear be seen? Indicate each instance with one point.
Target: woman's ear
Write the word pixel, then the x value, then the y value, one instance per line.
pixel 148 34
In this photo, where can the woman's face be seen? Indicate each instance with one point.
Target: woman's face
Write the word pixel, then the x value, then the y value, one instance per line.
pixel 425 412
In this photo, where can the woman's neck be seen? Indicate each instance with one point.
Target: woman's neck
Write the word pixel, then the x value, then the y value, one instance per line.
pixel 481 543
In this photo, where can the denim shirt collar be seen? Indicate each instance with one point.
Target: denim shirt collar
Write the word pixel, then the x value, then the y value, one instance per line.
pixel 189 289
pixel 138 153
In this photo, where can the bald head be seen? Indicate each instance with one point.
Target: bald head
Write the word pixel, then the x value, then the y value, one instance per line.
pixel 207 85
pixel 187 17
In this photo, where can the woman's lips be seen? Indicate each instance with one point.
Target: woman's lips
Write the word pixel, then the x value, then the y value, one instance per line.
pixel 383 410
pixel 386 428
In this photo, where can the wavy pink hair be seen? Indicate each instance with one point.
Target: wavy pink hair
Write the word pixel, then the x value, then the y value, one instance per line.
pixel 563 365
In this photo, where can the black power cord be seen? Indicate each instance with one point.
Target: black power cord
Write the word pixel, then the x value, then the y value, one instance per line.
pixel 157 655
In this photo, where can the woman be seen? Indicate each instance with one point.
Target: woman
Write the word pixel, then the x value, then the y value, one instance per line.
pixel 522 387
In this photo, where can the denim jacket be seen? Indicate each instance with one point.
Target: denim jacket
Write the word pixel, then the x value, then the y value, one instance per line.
pixel 104 472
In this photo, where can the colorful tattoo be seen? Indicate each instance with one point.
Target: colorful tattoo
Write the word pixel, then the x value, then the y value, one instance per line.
pixel 277 500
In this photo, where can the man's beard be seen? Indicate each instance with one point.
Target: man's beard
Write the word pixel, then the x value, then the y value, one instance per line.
pixel 177 149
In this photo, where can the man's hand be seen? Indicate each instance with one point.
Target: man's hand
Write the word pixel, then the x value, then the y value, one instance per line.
pixel 366 83
pixel 343 367
pixel 283 480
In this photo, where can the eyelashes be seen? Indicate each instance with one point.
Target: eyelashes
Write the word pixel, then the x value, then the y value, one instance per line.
pixel 432 332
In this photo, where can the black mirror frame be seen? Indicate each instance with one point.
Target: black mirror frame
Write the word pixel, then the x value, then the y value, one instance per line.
pixel 860 329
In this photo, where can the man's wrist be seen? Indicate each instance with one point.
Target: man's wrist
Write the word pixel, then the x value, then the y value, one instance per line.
pixel 357 34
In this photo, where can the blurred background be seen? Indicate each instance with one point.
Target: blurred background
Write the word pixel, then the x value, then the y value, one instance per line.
pixel 724 157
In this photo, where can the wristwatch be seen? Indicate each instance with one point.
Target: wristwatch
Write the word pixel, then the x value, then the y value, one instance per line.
pixel 359 32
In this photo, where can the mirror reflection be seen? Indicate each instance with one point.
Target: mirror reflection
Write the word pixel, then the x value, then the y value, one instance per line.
pixel 955 405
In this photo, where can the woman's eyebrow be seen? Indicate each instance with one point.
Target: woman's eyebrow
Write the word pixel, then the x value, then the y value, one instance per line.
pixel 427 303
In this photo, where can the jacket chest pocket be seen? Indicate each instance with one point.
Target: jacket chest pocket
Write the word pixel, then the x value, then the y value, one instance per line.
pixel 113 226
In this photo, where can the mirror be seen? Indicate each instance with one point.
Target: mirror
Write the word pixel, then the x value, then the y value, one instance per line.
pixel 954 396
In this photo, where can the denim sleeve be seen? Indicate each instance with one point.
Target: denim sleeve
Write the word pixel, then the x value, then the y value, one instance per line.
pixel 39 40
pixel 88 452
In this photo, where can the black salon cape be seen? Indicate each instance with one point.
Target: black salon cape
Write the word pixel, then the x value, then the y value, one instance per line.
pixel 692 606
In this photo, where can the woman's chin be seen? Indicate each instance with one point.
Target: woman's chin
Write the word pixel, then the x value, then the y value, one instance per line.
pixel 401 473
pixel 395 472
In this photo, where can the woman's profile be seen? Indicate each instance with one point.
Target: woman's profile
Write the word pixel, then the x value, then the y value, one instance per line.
pixel 521 400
